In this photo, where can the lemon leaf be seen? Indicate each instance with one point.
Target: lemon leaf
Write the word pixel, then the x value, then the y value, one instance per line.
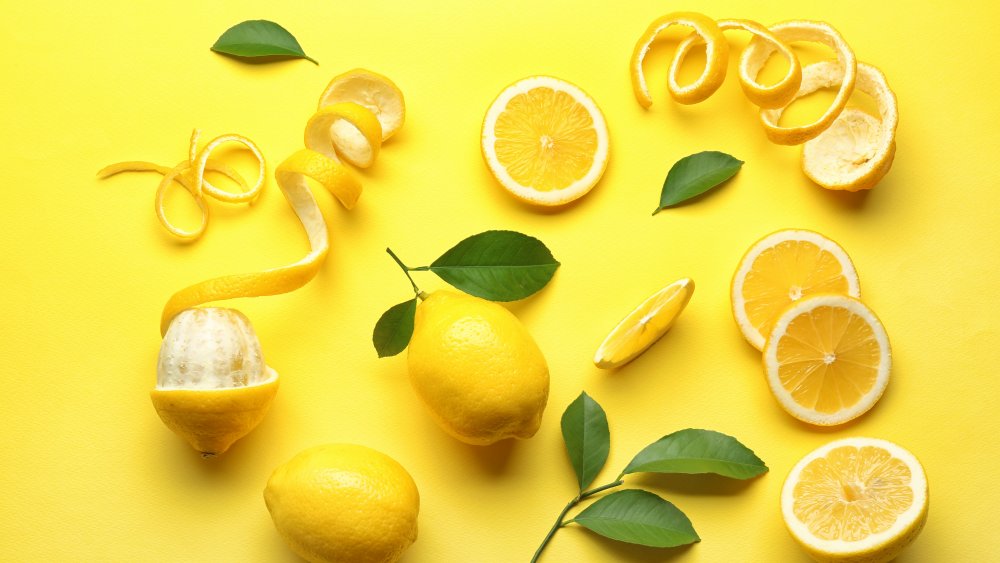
pixel 698 451
pixel 695 174
pixel 394 328
pixel 497 265
pixel 638 517
pixel 259 38
pixel 588 439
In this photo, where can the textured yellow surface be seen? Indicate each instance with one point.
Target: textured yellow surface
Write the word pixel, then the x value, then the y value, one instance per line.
pixel 91 474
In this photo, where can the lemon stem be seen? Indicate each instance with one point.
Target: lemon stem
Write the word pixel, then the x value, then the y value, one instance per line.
pixel 406 270
pixel 560 522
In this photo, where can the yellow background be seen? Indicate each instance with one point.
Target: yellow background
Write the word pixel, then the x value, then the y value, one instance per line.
pixel 89 472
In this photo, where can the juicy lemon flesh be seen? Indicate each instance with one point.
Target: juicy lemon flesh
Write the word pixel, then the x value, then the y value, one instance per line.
pixel 644 326
pixel 545 139
pixel 852 493
pixel 785 273
pixel 828 359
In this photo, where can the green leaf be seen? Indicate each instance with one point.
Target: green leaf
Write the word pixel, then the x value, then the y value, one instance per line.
pixel 497 265
pixel 698 451
pixel 588 440
pixel 394 328
pixel 638 517
pixel 696 174
pixel 259 38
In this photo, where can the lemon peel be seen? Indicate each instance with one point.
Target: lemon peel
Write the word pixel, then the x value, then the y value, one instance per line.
pixel 372 91
pixel 190 174
pixel 757 53
pixel 778 94
pixel 857 150
pixel 716 59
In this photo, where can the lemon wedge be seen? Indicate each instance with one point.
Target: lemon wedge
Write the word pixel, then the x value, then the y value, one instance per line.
pixel 545 141
pixel 646 324
pixel 855 499
pixel 827 359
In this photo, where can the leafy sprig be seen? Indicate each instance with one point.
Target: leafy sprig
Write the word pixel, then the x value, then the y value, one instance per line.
pixel 633 515
pixel 493 265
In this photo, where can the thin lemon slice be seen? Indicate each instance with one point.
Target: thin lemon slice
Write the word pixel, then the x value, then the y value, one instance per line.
pixel 759 50
pixel 784 267
pixel 646 324
pixel 857 150
pixel 372 91
pixel 827 359
pixel 716 59
pixel 856 499
pixel 545 141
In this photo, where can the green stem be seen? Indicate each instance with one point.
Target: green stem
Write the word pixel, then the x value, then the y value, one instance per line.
pixel 406 270
pixel 559 520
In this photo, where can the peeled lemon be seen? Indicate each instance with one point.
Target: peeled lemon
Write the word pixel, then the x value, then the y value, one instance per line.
pixel 479 372
pixel 212 385
pixel 344 503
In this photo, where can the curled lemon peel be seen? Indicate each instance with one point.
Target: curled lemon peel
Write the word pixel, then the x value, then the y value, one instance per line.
pixel 190 174
pixel 845 148
pixel 338 133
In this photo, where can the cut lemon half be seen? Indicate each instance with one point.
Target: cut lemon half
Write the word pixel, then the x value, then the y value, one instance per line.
pixel 856 499
pixel 372 91
pixel 646 324
pixel 784 267
pixel 827 360
pixel 545 141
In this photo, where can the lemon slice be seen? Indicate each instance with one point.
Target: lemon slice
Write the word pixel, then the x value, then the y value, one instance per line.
pixel 779 94
pixel 784 267
pixel 842 75
pixel 857 150
pixel 646 324
pixel 372 91
pixel 827 359
pixel 855 499
pixel 545 141
pixel 716 59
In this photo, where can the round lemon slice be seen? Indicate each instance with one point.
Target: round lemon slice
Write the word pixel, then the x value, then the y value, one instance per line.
pixel 372 91
pixel 646 324
pixel 716 59
pixel 827 359
pixel 784 267
pixel 858 149
pixel 855 499
pixel 545 141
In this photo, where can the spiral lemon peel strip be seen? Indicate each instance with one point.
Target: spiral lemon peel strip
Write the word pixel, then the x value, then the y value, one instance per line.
pixel 716 59
pixel 190 174
pixel 840 160
pixel 327 144
pixel 778 94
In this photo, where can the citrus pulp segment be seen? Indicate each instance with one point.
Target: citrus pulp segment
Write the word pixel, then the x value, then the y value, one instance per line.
pixel 855 500
pixel 545 141
pixel 857 150
pixel 784 267
pixel 372 91
pixel 646 324
pixel 827 359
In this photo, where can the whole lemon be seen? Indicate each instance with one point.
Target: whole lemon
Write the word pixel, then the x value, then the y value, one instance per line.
pixel 344 503
pixel 477 369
